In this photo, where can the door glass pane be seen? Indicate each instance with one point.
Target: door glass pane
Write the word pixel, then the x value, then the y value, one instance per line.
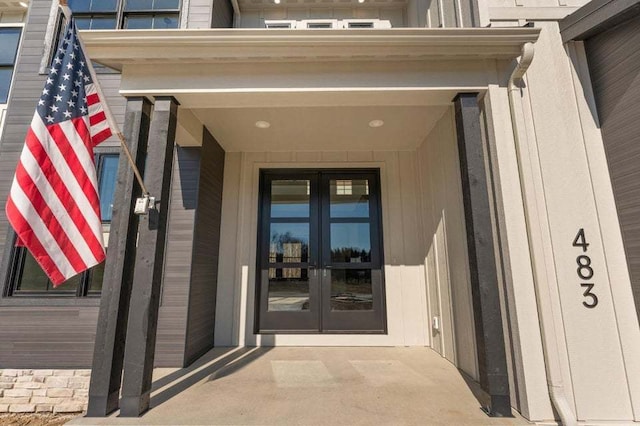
pixel 349 197
pixel 290 198
pixel 350 242
pixel 289 243
pixel 351 290
pixel 288 289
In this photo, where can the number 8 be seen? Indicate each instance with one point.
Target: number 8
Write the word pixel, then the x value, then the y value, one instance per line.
pixel 584 263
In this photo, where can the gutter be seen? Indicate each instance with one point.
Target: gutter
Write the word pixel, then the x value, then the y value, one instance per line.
pixel 550 340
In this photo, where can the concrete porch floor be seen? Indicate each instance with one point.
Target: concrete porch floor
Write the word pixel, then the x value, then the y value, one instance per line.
pixel 312 386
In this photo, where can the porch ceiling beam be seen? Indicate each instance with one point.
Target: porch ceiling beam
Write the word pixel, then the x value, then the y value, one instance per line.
pixel 115 48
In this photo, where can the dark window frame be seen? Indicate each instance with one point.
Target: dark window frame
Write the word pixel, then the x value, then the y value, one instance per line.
pixel 18 258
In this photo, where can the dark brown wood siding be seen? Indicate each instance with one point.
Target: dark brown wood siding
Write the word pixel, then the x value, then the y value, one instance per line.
pixel 206 246
pixel 614 64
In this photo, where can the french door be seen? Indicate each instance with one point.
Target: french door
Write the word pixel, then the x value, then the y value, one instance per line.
pixel 320 252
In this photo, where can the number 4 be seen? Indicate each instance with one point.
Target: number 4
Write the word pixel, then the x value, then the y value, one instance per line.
pixel 581 240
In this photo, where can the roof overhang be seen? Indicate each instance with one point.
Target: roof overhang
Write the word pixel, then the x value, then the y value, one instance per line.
pixel 117 48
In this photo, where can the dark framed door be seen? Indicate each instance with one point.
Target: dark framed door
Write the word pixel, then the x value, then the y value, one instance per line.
pixel 320 252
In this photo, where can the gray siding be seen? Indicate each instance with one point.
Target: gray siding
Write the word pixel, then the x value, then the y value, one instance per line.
pixel 60 333
pixel 206 246
pixel 614 63
pixel 36 336
pixel 175 287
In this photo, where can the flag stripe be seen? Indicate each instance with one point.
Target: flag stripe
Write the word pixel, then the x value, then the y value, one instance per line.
pixel 101 136
pixel 87 201
pixel 60 229
pixel 92 98
pixel 39 252
pixel 37 232
pixel 54 203
pixel 97 118
pixel 69 216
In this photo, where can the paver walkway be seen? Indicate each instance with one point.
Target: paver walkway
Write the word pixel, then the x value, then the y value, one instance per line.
pixel 312 386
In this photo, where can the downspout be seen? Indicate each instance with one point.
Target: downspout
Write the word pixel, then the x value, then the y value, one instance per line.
pixel 236 14
pixel 547 326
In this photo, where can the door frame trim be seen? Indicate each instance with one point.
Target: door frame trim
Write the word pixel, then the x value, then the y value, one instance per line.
pixel 262 171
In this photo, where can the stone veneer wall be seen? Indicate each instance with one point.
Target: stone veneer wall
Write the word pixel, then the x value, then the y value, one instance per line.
pixel 43 391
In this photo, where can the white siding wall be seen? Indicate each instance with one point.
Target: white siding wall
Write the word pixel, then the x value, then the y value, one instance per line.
pixel 408 321
pixel 445 255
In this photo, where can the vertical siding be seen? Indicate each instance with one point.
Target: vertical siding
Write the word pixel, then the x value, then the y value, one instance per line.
pixel 447 265
pixel 614 63
pixel 206 246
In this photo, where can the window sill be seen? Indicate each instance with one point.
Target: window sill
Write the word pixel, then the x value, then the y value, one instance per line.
pixel 88 302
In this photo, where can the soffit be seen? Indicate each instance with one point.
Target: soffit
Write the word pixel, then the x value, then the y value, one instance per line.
pixel 320 128
pixel 116 48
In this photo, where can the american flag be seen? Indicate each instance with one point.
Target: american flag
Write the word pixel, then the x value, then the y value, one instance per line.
pixel 53 205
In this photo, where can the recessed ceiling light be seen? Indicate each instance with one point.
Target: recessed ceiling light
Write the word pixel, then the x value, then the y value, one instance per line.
pixel 24 4
pixel 276 1
pixel 376 123
pixel 360 1
pixel 263 124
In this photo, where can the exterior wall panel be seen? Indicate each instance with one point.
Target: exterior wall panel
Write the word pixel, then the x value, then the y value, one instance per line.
pixel 206 245
pixel 614 64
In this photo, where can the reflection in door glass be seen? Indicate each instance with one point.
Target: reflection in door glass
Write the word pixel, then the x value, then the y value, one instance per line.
pixel 350 242
pixel 351 290
pixel 289 243
pixel 288 289
pixel 290 198
pixel 349 197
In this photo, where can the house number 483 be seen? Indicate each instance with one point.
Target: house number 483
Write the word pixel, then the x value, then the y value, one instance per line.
pixel 585 270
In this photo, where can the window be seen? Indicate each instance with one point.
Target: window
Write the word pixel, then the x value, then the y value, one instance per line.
pixel 328 23
pixel 9 39
pixel 28 279
pixel 127 14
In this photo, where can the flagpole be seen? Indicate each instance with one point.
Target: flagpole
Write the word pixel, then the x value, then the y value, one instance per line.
pixel 66 11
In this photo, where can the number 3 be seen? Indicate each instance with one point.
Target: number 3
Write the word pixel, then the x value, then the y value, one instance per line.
pixel 587 293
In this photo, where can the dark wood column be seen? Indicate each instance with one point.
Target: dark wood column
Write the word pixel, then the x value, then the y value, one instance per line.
pixel 108 354
pixel 482 263
pixel 147 275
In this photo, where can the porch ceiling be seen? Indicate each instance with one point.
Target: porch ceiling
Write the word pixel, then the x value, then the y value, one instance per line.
pixel 320 128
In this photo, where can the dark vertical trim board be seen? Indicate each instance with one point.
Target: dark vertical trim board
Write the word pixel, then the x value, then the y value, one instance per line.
pixel 108 355
pixel 482 263
pixel 149 262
